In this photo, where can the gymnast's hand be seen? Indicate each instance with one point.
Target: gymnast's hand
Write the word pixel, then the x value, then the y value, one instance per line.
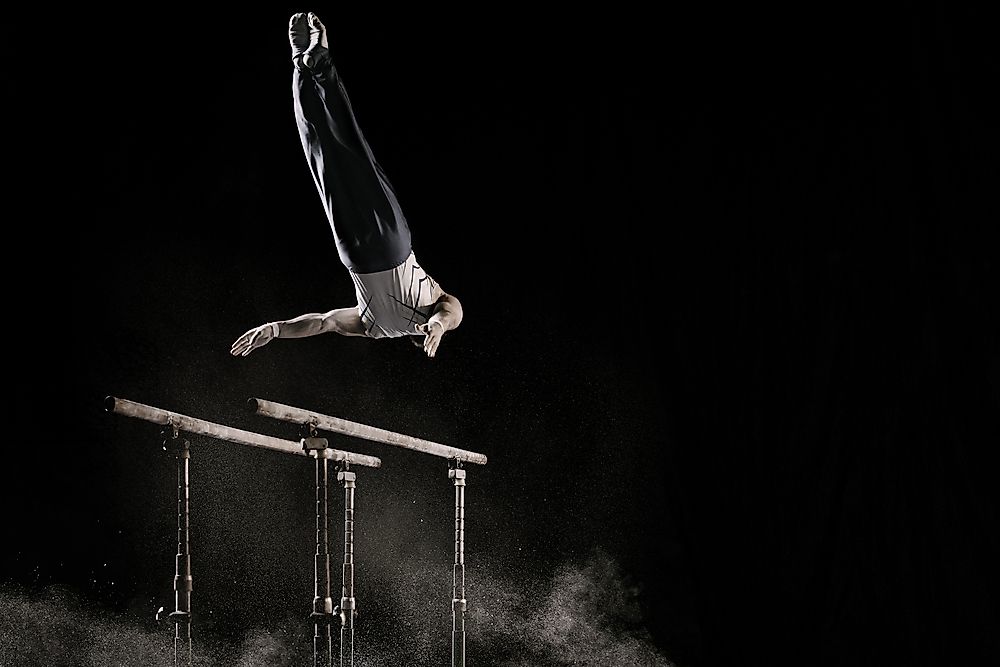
pixel 432 336
pixel 251 340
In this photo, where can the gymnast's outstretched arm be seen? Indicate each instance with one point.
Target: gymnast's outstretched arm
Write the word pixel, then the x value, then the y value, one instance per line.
pixel 344 321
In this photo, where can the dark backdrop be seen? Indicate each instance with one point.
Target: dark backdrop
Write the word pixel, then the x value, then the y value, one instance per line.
pixel 730 327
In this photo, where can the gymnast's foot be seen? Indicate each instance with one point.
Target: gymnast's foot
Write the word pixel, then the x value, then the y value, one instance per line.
pixel 318 48
pixel 298 36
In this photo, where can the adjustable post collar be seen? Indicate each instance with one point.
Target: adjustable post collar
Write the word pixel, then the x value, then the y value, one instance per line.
pixel 323 606
pixel 324 618
pixel 315 444
pixel 311 442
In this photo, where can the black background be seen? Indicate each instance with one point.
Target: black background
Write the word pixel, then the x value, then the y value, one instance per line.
pixel 729 313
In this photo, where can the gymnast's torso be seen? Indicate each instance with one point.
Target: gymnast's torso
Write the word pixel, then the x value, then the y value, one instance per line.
pixel 394 302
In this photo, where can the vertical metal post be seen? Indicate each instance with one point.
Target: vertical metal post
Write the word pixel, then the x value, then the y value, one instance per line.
pixel 181 616
pixel 347 602
pixel 322 608
pixel 458 602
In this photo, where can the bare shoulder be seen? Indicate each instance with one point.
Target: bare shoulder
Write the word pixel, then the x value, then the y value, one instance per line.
pixel 448 299
pixel 450 308
pixel 436 291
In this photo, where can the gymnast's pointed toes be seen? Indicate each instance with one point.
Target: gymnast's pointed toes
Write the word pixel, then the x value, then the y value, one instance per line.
pixel 298 34
pixel 314 22
pixel 317 32
pixel 317 52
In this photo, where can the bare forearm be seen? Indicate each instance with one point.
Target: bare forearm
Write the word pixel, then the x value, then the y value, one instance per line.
pixel 310 324
pixel 344 321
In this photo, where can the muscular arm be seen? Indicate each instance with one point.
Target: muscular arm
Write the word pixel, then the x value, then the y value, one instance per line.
pixel 447 312
pixel 344 321
pixel 447 315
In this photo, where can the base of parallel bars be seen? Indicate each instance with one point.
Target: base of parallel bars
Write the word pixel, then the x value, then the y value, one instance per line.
pixel 322 639
pixel 347 614
pixel 458 649
pixel 182 639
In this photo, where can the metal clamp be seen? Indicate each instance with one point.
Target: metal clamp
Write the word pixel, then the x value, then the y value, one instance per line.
pixel 314 444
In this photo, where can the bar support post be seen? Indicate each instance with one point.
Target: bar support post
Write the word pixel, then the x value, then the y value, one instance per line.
pixel 458 602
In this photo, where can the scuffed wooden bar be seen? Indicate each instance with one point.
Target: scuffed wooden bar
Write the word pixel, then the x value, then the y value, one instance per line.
pixel 345 427
pixel 197 426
